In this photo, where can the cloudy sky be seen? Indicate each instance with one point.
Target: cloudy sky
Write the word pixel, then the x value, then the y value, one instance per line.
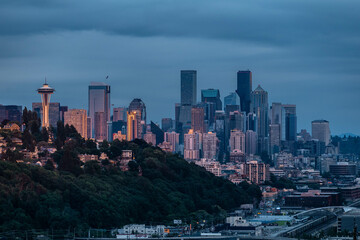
pixel 302 52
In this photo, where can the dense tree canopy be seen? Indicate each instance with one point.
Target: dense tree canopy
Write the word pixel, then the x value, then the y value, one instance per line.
pixel 104 197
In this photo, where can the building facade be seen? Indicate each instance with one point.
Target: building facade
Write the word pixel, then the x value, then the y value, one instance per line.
pixel 78 119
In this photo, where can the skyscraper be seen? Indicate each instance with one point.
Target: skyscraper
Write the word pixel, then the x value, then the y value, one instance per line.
pixel 99 101
pixel 237 141
pixel 166 124
pixel 173 139
pixel 244 88
pixel 237 121
pixel 11 113
pixel 119 114
pixel 211 96
pixel 250 142
pixel 321 130
pixel 197 119
pixel 138 105
pixel 210 146
pixel 231 99
pixel 274 138
pixel 192 145
pixel 100 126
pixel 188 87
pixel 45 91
pixel 288 122
pixel 159 133
pixel 259 106
pixel 134 128
pixel 78 119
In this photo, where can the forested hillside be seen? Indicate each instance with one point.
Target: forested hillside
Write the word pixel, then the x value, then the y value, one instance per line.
pixel 158 188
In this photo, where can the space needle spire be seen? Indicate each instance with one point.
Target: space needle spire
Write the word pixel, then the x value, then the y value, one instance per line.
pixel 45 92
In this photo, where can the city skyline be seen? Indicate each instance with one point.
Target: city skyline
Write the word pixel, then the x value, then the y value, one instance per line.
pixel 305 63
pixel 76 105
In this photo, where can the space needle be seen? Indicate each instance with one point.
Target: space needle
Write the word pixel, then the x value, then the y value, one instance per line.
pixel 45 92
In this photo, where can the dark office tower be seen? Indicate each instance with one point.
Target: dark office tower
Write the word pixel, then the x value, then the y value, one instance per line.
pixel 212 96
pixel 244 88
pixel 188 87
pixel 197 119
pixel 62 110
pixel 53 111
pixel 119 114
pixel 139 105
pixel 166 124
pixel 11 113
pixel 155 129
pixel 99 101
pixel 289 122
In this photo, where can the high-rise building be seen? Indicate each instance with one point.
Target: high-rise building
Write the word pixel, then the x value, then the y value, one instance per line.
pixel 192 142
pixel 210 146
pixel 244 88
pixel 45 91
pixel 11 113
pixel 251 122
pixel 274 138
pixel 99 101
pixel 173 139
pixel 321 130
pixel 150 138
pixel 259 106
pixel 62 111
pixel 231 99
pixel 237 141
pixel 276 113
pixel 166 124
pixel 119 114
pixel 78 119
pixel 138 105
pixel 250 142
pixel 257 172
pixel 188 87
pixel 288 122
pixel 89 129
pixel 159 133
pixel 53 112
pixel 221 133
pixel 237 121
pixel 100 126
pixel 197 119
pixel 211 96
pixel 134 128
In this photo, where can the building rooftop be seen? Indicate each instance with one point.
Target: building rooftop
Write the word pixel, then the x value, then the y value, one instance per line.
pixel 210 93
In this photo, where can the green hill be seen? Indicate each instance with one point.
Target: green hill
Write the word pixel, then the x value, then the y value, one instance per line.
pixel 101 196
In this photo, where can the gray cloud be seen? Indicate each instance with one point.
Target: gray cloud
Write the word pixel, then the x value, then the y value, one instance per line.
pixel 303 52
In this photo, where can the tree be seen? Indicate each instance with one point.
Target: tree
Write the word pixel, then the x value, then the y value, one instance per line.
pixel 44 134
pixel 70 162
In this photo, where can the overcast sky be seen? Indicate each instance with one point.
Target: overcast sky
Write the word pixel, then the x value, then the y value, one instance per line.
pixel 302 52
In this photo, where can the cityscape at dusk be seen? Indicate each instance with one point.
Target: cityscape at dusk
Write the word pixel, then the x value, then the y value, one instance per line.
pixel 198 120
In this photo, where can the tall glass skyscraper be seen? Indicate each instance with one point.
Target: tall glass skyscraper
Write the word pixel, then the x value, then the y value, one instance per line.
pixel 288 122
pixel 260 106
pixel 244 88
pixel 188 87
pixel 99 101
